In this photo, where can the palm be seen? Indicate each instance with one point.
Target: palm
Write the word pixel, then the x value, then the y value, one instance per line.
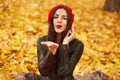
pixel 51 46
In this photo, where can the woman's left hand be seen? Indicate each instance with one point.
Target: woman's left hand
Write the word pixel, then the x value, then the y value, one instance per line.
pixel 70 36
pixel 51 46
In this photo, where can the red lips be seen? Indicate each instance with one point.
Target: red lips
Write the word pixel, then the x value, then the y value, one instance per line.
pixel 59 26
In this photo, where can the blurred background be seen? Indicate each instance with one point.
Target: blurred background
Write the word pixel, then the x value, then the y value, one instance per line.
pixel 22 22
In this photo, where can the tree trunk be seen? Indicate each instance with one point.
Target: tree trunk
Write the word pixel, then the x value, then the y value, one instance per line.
pixel 112 5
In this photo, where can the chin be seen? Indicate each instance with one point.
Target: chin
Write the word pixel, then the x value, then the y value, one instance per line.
pixel 59 31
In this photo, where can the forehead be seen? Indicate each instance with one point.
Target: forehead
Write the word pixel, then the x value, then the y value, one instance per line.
pixel 61 12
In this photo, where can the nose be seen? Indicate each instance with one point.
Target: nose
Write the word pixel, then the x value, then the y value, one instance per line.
pixel 59 19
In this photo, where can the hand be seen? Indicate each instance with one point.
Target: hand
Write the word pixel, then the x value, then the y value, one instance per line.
pixel 70 36
pixel 51 46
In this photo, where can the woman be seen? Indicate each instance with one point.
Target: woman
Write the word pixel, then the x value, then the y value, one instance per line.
pixel 59 51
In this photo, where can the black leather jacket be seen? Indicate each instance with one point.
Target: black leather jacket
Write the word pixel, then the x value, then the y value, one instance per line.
pixel 61 65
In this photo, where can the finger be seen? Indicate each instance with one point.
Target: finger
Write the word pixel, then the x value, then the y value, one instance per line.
pixel 44 43
pixel 73 32
pixel 68 33
pixel 56 44
pixel 73 29
pixel 52 44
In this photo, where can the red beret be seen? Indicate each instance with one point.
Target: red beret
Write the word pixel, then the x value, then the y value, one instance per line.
pixel 61 5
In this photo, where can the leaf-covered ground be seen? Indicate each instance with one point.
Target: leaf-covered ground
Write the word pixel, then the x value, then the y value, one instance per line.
pixel 23 21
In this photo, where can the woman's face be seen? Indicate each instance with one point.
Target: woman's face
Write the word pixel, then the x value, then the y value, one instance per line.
pixel 60 20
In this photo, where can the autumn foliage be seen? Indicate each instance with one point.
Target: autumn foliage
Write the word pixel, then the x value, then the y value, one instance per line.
pixel 23 21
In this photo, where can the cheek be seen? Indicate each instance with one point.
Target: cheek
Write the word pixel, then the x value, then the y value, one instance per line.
pixel 54 20
pixel 65 23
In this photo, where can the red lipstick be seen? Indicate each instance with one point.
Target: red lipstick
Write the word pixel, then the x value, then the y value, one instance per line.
pixel 59 26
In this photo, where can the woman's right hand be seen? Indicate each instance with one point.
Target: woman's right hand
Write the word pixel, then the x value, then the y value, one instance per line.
pixel 51 46
pixel 70 36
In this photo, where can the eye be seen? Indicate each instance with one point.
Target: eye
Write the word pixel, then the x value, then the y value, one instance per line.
pixel 55 16
pixel 65 18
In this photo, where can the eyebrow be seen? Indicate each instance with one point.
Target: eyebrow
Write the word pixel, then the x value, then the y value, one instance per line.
pixel 62 15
